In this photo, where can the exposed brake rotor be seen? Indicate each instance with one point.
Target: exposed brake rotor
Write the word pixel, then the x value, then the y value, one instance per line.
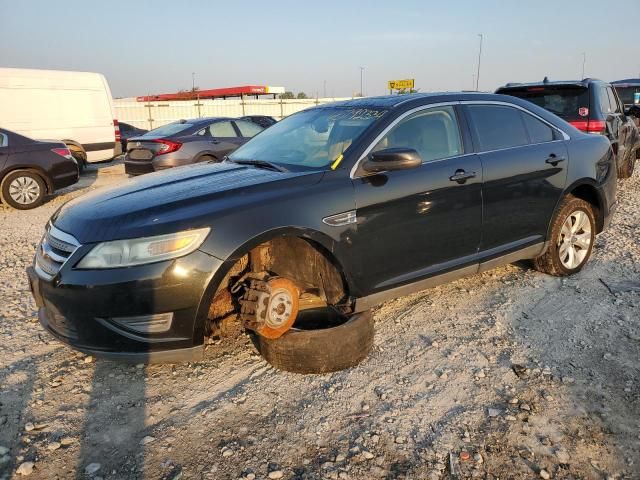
pixel 270 306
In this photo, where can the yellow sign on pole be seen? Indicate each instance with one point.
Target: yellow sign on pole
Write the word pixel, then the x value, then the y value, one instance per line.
pixel 401 84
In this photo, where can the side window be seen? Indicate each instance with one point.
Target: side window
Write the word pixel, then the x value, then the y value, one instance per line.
pixel 248 129
pixel 539 132
pixel 605 104
pixel 222 130
pixel 433 133
pixel 498 127
pixel 613 100
pixel 4 140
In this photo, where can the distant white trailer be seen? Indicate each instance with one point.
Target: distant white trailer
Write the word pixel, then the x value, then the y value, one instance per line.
pixel 74 107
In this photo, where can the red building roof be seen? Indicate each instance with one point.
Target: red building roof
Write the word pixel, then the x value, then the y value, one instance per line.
pixel 214 93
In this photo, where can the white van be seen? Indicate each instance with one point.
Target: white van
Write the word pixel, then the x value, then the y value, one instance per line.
pixel 74 107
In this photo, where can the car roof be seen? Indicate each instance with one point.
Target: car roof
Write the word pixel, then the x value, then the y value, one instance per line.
pixel 558 83
pixel 393 101
pixel 198 121
pixel 628 82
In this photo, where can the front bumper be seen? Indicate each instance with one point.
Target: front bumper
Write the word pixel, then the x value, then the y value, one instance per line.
pixel 84 308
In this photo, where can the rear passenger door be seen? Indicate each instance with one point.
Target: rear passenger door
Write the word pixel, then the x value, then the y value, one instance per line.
pixel 219 138
pixel 620 125
pixel 524 163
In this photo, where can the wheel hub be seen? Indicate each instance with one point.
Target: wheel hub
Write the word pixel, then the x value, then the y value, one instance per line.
pixel 270 307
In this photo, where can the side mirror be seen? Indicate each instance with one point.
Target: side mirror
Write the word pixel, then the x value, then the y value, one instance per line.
pixel 392 159
pixel 633 111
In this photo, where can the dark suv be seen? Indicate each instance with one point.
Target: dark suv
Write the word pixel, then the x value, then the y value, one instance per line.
pixel 343 205
pixel 590 105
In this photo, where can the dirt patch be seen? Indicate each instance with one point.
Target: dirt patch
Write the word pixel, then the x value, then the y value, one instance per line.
pixel 508 374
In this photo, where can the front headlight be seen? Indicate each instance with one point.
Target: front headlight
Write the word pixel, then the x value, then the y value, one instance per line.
pixel 138 251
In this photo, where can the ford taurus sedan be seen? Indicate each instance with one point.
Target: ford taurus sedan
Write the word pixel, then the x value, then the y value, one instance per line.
pixel 344 205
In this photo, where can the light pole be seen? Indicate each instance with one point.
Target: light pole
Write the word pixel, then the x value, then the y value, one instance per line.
pixel 361 81
pixel 324 88
pixel 479 58
pixel 584 60
pixel 193 81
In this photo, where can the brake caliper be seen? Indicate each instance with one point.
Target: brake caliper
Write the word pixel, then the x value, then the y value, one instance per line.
pixel 270 306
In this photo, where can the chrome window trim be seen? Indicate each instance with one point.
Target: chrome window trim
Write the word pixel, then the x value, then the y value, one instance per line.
pixel 565 136
pixel 393 124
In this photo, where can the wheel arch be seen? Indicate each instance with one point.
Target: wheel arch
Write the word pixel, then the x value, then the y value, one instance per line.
pixel 587 190
pixel 316 241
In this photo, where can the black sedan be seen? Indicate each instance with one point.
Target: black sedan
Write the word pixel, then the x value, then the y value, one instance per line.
pixel 185 142
pixel 31 169
pixel 343 205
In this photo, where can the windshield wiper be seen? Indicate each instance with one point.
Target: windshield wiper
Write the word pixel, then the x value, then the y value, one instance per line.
pixel 260 164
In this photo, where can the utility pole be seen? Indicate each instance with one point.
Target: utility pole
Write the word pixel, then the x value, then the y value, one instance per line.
pixel 361 81
pixel 479 58
pixel 584 60
pixel 193 81
pixel 324 88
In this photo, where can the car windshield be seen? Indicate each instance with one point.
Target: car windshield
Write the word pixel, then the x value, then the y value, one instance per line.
pixel 309 140
pixel 168 130
pixel 565 102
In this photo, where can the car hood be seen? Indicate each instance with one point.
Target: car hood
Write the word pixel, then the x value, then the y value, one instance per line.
pixel 174 200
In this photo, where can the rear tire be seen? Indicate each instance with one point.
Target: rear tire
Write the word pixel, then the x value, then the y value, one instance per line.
pixel 23 190
pixel 320 350
pixel 208 158
pixel 80 157
pixel 571 242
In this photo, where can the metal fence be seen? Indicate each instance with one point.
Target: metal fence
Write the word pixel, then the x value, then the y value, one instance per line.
pixel 151 115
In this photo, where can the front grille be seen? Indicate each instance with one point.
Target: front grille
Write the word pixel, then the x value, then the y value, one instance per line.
pixel 54 250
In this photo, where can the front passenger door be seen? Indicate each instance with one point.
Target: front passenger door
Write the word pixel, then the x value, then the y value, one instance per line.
pixel 413 224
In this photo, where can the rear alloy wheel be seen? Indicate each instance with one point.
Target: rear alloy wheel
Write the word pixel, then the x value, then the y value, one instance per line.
pixel 23 190
pixel 572 238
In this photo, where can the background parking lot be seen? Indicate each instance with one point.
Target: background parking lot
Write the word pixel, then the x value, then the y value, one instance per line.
pixel 508 374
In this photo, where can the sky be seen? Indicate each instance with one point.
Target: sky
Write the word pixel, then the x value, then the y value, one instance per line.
pixel 148 46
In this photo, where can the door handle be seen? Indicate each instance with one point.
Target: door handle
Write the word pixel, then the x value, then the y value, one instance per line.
pixel 554 160
pixel 215 142
pixel 461 176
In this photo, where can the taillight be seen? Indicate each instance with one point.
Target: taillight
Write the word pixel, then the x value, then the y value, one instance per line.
pixel 167 146
pixel 590 126
pixel 63 152
pixel 116 128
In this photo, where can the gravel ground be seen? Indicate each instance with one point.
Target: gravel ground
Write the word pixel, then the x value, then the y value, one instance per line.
pixel 508 374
